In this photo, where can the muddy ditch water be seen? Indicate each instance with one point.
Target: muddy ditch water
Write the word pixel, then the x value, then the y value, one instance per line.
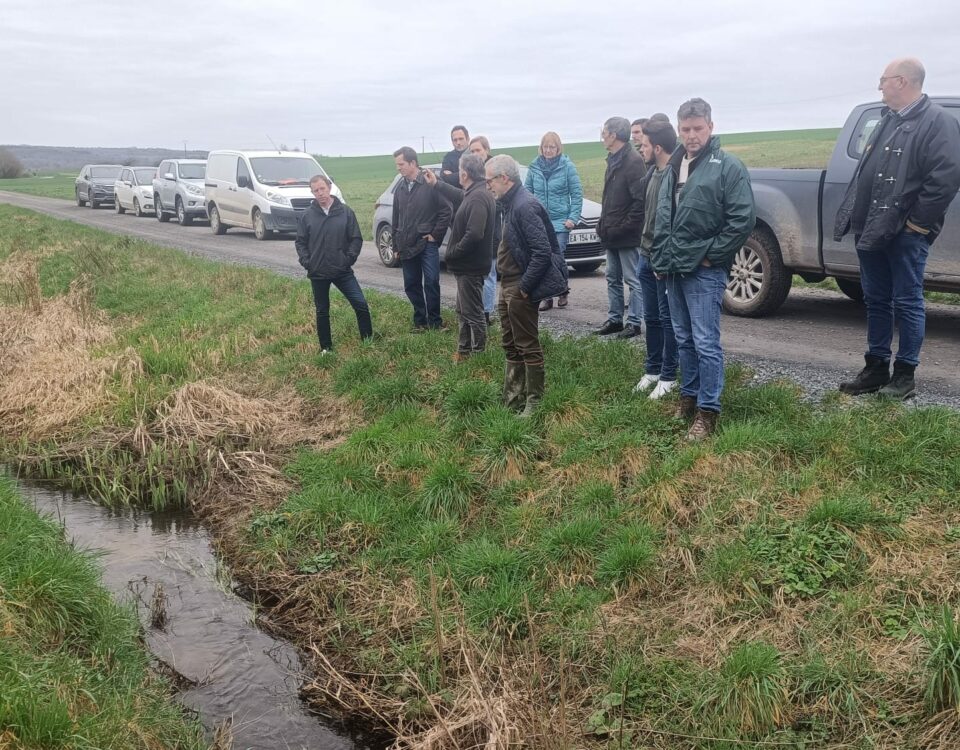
pixel 228 670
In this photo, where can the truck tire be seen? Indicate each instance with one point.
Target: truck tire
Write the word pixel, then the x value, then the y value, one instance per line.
pixel 759 282
pixel 851 288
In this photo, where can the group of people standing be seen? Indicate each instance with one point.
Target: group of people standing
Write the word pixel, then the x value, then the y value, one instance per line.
pixel 675 210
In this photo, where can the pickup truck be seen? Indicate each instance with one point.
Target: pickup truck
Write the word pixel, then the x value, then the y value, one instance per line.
pixel 796 209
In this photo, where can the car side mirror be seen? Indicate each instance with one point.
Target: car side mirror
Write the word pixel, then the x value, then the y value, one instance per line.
pixel 243 181
pixel 169 176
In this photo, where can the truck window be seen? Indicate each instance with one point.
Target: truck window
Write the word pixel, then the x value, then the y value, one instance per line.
pixel 862 132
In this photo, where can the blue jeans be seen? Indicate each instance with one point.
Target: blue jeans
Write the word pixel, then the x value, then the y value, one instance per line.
pixel 661 343
pixel 695 310
pixel 892 281
pixel 421 282
pixel 622 269
pixel 490 286
pixel 350 288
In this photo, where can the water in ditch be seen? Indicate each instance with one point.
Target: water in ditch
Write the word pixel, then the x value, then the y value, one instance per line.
pixel 233 672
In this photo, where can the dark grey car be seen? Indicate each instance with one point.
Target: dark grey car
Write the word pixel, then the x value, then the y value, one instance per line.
pixel 94 184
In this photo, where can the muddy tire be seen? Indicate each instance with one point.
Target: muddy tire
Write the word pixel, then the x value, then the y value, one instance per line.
pixel 80 201
pixel 216 225
pixel 384 242
pixel 759 282
pixel 850 288
pixel 260 230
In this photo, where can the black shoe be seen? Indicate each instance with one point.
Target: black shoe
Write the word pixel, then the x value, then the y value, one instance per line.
pixel 901 385
pixel 629 331
pixel 870 379
pixel 607 328
pixel 486 315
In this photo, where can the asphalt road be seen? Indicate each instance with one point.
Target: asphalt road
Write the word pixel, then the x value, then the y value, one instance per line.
pixel 816 338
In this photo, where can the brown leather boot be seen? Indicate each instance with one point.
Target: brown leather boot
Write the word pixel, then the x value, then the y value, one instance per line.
pixel 704 425
pixel 686 408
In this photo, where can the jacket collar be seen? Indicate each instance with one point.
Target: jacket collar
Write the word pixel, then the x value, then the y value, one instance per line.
pixel 711 148
pixel 335 207
pixel 915 110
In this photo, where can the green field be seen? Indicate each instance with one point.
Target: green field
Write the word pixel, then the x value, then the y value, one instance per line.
pixel 363 178
pixel 583 579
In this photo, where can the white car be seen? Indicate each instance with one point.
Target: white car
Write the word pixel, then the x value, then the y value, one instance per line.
pixel 265 191
pixel 134 190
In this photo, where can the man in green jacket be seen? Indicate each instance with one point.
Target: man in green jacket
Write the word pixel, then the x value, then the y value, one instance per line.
pixel 705 213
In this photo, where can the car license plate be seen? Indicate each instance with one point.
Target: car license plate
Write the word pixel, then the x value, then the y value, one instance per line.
pixel 583 237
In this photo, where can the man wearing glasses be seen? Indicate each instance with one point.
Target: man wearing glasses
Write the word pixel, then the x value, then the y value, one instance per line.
pixel 895 204
pixel 532 268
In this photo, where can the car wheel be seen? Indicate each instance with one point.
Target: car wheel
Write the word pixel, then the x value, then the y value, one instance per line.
pixel 384 240
pixel 158 209
pixel 759 282
pixel 80 201
pixel 850 288
pixel 216 226
pixel 136 208
pixel 117 207
pixel 93 203
pixel 260 230
pixel 585 268
pixel 183 218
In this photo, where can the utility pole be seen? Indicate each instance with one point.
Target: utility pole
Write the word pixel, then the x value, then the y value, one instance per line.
pixel 184 148
pixel 304 145
pixel 422 146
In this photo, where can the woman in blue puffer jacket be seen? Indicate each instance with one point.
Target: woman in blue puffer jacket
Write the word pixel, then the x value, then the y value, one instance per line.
pixel 554 181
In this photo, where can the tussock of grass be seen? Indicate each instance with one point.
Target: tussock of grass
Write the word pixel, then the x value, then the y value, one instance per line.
pixel 467 577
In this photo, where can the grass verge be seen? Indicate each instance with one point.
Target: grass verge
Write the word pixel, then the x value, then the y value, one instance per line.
pixel 73 672
pixel 462 577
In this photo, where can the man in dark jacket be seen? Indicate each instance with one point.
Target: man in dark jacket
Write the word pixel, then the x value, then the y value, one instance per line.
pixel 908 174
pixel 450 167
pixel 420 219
pixel 705 213
pixel 620 226
pixel 328 244
pixel 531 268
pixel 469 248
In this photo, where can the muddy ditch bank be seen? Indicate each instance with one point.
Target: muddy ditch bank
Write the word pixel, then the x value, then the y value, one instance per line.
pixel 243 682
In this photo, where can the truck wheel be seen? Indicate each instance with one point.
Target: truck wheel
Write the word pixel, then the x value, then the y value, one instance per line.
pixel 850 288
pixel 80 201
pixel 260 230
pixel 183 218
pixel 216 226
pixel 384 240
pixel 759 282
pixel 158 208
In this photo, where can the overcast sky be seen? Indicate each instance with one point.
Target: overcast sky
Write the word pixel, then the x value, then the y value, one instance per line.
pixel 366 76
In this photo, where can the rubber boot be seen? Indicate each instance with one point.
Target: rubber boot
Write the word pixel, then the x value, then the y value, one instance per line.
pixel 514 393
pixel 870 379
pixel 535 385
pixel 901 385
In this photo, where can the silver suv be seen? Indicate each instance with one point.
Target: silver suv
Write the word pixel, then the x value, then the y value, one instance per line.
pixel 178 190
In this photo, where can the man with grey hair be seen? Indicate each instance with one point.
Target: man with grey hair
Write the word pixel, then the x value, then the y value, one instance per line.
pixel 620 227
pixel 469 248
pixel 532 268
pixel 704 214
pixel 328 244
pixel 908 174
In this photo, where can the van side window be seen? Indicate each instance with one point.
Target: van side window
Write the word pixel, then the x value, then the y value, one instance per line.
pixel 242 170
pixel 862 132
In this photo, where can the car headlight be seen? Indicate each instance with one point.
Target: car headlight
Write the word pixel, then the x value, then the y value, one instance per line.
pixel 193 189
pixel 279 198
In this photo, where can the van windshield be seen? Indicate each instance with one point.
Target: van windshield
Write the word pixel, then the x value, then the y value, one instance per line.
pixel 284 170
pixel 192 171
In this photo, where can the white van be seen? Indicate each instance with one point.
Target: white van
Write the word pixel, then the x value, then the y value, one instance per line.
pixel 265 191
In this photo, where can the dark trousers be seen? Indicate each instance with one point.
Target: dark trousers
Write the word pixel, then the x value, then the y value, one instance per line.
pixel 520 321
pixel 350 288
pixel 421 282
pixel 473 326
pixel 892 280
pixel 661 342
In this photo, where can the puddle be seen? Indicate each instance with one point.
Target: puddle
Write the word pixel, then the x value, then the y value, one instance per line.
pixel 233 671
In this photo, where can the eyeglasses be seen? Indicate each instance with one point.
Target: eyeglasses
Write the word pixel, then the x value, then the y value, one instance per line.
pixel 888 78
pixel 491 179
